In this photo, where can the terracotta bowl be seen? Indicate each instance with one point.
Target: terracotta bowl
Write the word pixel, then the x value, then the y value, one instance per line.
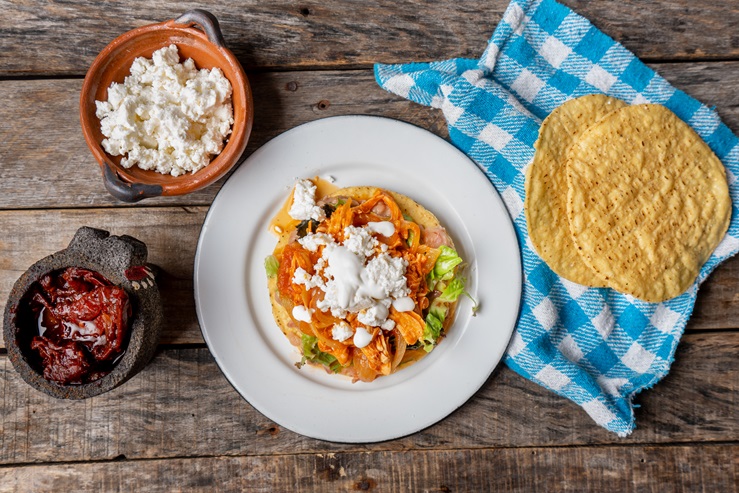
pixel 121 260
pixel 113 64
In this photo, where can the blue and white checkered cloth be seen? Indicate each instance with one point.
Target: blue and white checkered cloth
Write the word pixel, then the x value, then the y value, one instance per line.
pixel 594 346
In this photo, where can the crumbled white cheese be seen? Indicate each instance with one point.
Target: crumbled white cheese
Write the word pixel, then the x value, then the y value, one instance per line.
pixel 360 241
pixel 404 304
pixel 312 241
pixel 385 274
pixel 301 276
pixel 356 275
pixel 341 331
pixel 167 116
pixel 354 287
pixel 304 202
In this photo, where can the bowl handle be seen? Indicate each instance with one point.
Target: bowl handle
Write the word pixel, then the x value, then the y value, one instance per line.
pixel 127 192
pixel 206 21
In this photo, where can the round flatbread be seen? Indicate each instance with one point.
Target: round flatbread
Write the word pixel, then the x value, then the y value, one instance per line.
pixel 410 208
pixel 546 185
pixel 305 287
pixel 648 201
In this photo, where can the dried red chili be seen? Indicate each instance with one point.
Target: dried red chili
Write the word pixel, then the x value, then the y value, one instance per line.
pixel 82 321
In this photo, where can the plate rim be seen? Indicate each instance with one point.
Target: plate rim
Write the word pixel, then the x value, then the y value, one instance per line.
pixel 518 281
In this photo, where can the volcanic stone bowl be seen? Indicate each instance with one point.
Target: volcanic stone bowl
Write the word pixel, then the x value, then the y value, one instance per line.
pixel 122 260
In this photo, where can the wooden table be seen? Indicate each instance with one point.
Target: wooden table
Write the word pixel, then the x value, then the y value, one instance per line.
pixel 179 424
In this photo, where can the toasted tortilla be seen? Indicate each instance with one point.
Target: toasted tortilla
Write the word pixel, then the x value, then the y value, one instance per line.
pixel 410 208
pixel 547 188
pixel 648 201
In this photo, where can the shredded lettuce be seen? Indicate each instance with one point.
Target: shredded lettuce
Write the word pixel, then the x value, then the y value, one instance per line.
pixel 450 292
pixel 444 267
pixel 309 345
pixel 434 322
pixel 271 265
pixel 454 290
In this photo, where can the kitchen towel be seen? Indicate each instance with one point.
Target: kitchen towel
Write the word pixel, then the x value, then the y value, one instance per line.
pixel 594 346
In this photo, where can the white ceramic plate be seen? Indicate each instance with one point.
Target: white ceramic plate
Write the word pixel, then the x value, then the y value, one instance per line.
pixel 231 287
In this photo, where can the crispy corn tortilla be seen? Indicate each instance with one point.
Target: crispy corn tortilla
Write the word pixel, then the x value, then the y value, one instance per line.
pixel 648 201
pixel 546 185
pixel 419 214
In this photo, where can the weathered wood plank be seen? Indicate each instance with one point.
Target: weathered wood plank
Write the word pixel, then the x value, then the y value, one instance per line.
pixel 49 165
pixel 45 162
pixel 182 406
pixel 41 38
pixel 171 234
pixel 624 469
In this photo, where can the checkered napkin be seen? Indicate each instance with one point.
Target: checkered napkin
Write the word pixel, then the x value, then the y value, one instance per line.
pixel 594 346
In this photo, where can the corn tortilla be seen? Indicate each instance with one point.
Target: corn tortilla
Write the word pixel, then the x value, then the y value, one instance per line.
pixel 546 185
pixel 647 203
pixel 409 207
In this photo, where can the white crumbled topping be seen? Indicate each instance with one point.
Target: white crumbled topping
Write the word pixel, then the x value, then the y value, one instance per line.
pixel 360 241
pixel 167 116
pixel 356 275
pixel 388 274
pixel 341 331
pixel 312 241
pixel 367 289
pixel 304 202
pixel 301 276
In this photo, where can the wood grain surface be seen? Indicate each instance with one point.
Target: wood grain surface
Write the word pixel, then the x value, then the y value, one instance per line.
pixel 179 425
pixel 171 235
pixel 181 405
pixel 48 165
pixel 525 470
pixel 337 33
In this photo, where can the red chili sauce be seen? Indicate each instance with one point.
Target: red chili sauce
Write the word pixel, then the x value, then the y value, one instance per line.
pixel 81 320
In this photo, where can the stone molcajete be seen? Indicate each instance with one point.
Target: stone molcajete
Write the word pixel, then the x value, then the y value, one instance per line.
pixel 122 261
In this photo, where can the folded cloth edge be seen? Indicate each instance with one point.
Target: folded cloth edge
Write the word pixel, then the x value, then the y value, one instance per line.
pixel 402 80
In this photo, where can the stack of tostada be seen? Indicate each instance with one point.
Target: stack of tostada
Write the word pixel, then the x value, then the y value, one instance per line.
pixel 625 196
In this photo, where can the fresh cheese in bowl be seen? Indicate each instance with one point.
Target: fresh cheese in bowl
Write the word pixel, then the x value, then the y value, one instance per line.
pixel 167 116
pixel 166 109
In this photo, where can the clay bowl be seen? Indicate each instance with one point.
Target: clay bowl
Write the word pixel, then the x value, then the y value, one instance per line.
pixel 206 48
pixel 122 260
